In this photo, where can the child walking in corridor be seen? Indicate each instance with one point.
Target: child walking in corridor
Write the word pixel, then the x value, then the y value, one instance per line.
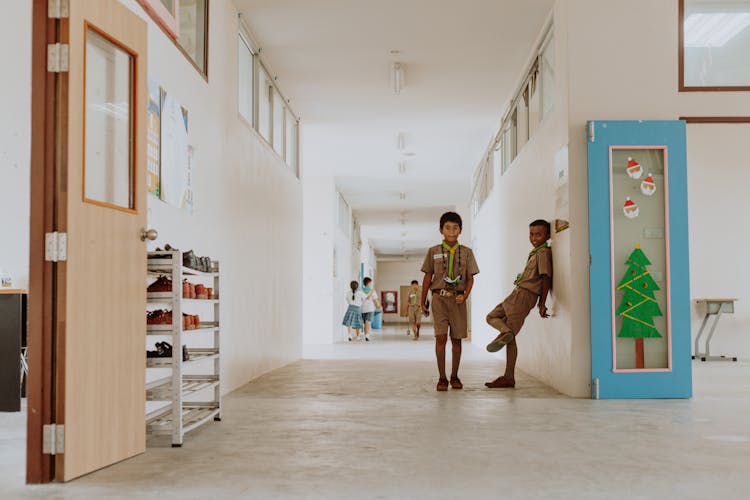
pixel 532 286
pixel 449 270
pixel 414 310
pixel 353 316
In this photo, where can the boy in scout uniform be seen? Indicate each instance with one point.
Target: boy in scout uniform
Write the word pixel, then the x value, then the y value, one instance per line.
pixel 449 270
pixel 531 290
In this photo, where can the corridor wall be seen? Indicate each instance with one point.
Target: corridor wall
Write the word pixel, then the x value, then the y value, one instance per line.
pixel 598 75
pixel 248 205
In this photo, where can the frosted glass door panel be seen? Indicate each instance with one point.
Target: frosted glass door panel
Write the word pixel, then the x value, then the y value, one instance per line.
pixel 639 253
pixel 108 163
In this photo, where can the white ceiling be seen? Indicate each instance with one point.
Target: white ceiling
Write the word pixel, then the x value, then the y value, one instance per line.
pixel 462 61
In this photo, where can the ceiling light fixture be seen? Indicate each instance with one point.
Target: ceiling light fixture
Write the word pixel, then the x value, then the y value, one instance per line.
pixel 402 167
pixel 397 74
pixel 402 195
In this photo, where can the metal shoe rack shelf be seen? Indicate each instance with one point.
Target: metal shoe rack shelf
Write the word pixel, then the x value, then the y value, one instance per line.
pixel 196 398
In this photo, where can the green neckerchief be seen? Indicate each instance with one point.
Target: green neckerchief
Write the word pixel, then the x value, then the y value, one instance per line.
pixel 531 254
pixel 452 251
pixel 413 297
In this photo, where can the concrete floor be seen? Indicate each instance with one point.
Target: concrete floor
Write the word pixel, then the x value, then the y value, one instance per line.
pixel 364 421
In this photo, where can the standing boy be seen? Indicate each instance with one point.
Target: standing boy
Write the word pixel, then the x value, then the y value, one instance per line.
pixel 449 270
pixel 531 290
pixel 414 309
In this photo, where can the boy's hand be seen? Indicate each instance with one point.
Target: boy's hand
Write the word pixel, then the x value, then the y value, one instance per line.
pixel 460 298
pixel 543 311
pixel 425 311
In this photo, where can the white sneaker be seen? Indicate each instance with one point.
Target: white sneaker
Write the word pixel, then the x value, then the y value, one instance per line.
pixel 367 339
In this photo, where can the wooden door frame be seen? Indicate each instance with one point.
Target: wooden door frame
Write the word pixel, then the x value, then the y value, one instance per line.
pixel 40 382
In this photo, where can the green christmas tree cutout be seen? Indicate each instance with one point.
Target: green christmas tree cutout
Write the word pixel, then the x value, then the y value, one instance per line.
pixel 638 306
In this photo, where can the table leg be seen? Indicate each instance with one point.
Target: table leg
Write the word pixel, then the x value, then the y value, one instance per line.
pixel 698 337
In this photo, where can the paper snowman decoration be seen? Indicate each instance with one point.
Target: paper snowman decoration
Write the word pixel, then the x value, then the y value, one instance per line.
pixel 648 187
pixel 630 209
pixel 634 169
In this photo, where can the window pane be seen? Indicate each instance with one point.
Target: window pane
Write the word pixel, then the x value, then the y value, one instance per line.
pixel 264 105
pixel 245 84
pixel 290 154
pixel 548 76
pixel 717 43
pixel 533 103
pixel 278 123
pixel 108 172
pixel 193 30
pixel 522 123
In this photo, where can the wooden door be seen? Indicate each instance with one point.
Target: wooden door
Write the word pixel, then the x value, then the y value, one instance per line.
pixel 101 200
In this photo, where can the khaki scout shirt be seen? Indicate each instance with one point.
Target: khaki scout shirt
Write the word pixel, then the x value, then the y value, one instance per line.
pixel 436 263
pixel 539 263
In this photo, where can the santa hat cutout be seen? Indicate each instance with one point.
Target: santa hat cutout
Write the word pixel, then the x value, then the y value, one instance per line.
pixel 648 187
pixel 634 169
pixel 630 209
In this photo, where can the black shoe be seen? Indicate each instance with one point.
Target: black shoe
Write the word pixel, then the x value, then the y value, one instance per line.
pixel 190 260
pixel 185 354
pixel 164 350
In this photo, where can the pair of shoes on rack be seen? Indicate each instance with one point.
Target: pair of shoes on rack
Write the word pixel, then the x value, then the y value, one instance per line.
pixel 159 317
pixel 163 350
pixel 190 321
pixel 203 264
pixel 162 284
pixel 167 248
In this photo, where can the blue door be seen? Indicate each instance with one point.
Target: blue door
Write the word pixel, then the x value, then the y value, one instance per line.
pixel 639 276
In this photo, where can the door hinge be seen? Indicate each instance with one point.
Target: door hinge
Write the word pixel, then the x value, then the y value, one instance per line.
pixel 591 131
pixel 57 57
pixel 57 9
pixel 53 439
pixel 56 247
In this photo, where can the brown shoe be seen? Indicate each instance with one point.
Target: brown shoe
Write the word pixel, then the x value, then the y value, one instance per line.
pixel 196 321
pixel 456 383
pixel 500 341
pixel 501 382
pixel 201 292
pixel 442 384
pixel 162 284
pixel 185 289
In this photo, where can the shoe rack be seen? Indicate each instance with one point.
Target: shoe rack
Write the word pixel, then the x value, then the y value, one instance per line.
pixel 183 391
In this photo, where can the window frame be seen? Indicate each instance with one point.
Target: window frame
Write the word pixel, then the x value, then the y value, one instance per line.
pixel 155 16
pixel 681 87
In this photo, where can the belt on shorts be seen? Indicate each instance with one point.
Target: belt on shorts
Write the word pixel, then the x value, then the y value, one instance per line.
pixel 447 293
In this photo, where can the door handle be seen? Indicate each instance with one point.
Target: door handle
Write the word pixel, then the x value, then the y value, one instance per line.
pixel 149 234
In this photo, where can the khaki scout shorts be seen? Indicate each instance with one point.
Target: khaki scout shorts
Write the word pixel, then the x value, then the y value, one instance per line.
pixel 447 315
pixel 414 313
pixel 513 310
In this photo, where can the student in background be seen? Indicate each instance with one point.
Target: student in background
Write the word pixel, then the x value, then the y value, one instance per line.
pixel 353 316
pixel 369 304
pixel 414 309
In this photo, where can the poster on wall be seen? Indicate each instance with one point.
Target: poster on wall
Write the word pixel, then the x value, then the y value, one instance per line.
pixel 175 153
pixel 153 139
